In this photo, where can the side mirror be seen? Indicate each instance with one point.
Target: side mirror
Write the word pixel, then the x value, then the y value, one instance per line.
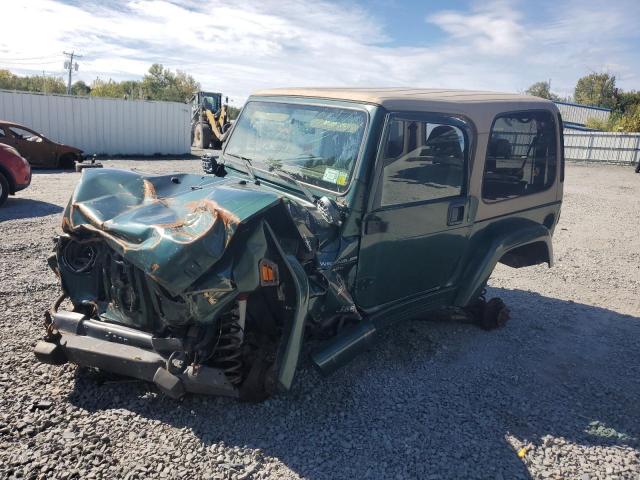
pixel 330 210
pixel 210 165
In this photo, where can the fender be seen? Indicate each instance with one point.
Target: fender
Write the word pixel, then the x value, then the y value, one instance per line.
pixel 480 271
pixel 290 355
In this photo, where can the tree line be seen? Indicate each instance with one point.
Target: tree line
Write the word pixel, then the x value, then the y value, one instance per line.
pixel 159 83
pixel 599 90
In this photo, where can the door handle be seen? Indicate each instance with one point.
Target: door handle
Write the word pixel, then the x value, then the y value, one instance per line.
pixel 375 225
pixel 455 215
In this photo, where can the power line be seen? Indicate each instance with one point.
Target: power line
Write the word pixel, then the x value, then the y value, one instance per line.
pixel 71 67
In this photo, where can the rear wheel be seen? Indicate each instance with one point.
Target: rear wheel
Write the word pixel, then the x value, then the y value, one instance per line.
pixel 66 162
pixel 4 189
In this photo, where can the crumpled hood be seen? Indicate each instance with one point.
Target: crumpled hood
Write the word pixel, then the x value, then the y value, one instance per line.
pixel 151 219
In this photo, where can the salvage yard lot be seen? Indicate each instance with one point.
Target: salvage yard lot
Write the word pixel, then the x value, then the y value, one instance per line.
pixel 435 399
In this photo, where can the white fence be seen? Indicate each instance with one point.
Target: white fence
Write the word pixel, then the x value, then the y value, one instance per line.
pixel 103 125
pixel 603 147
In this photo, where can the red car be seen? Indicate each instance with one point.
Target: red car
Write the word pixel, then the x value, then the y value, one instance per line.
pixel 15 172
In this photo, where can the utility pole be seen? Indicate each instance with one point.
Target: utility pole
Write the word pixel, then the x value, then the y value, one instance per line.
pixel 69 65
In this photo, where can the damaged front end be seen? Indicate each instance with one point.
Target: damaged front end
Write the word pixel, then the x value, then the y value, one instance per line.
pixel 198 284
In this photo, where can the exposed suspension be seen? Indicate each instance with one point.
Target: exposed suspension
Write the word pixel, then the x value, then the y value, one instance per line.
pixel 229 349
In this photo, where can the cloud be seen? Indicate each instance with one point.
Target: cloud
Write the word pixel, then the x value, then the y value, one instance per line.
pixel 495 28
pixel 532 41
pixel 240 46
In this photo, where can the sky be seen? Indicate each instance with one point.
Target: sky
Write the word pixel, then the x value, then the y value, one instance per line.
pixel 237 47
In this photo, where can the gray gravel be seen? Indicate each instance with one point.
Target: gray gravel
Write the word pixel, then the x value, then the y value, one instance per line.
pixel 433 400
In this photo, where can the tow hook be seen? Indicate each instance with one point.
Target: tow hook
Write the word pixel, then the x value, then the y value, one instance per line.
pixel 48 349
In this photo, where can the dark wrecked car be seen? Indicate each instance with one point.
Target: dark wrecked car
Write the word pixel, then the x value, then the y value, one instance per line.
pixel 329 215
pixel 38 149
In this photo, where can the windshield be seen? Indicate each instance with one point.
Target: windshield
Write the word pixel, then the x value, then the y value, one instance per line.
pixel 317 145
pixel 211 103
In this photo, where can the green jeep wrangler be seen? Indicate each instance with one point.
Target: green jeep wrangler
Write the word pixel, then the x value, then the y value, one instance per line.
pixel 329 214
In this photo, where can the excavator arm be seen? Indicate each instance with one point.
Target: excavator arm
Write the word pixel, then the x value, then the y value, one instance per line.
pixel 217 125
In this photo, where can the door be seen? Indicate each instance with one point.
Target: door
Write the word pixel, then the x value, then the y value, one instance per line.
pixel 417 226
pixel 6 137
pixel 31 146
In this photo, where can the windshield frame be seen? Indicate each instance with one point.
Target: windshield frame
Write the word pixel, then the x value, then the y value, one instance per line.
pixel 236 164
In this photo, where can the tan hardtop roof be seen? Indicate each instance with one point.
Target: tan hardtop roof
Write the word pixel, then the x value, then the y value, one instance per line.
pixel 479 106
pixel 380 96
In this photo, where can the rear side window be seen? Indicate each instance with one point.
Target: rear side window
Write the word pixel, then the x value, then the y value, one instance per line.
pixel 2 133
pixel 423 159
pixel 521 155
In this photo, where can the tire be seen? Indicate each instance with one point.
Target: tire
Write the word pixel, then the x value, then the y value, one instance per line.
pixel 201 135
pixel 260 384
pixel 66 162
pixel 4 189
pixel 495 314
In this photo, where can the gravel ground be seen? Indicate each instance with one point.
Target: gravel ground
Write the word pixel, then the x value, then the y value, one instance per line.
pixel 560 384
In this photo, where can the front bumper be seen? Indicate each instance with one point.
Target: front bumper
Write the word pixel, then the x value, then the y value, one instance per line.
pixel 126 351
pixel 22 186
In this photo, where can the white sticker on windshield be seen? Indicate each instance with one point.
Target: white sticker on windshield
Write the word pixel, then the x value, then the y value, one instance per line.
pixel 337 177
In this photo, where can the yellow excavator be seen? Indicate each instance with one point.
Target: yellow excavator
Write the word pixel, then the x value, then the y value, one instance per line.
pixel 209 121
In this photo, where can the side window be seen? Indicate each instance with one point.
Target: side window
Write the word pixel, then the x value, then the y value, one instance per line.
pixel 25 135
pixel 521 155
pixel 2 134
pixel 422 160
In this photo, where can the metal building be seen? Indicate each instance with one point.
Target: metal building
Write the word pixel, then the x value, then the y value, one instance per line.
pixel 575 116
pixel 103 125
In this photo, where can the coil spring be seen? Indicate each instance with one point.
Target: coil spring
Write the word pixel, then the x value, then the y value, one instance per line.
pixel 228 353
pixel 483 294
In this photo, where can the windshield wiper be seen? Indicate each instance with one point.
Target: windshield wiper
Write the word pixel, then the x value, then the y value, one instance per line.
pixel 278 171
pixel 247 162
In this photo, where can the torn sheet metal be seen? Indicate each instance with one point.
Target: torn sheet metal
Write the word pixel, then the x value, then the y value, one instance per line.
pixel 180 246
